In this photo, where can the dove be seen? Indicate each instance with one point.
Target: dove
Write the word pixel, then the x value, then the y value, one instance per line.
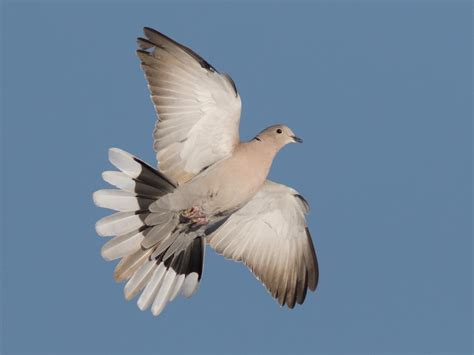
pixel 209 188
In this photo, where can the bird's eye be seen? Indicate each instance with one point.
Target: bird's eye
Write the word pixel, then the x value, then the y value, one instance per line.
pixel 278 130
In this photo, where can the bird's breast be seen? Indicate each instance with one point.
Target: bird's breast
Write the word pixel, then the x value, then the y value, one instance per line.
pixel 234 183
pixel 225 186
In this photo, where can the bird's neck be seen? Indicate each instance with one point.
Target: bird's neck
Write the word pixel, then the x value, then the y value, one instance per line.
pixel 263 153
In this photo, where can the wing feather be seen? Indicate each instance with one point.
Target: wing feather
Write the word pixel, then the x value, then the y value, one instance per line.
pixel 270 236
pixel 198 107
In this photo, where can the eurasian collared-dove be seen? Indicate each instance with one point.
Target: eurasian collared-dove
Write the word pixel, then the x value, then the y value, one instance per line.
pixel 210 188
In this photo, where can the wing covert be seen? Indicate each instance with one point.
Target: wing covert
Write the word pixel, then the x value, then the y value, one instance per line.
pixel 270 236
pixel 198 107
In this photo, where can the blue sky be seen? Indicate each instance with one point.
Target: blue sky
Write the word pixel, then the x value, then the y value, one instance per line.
pixel 381 94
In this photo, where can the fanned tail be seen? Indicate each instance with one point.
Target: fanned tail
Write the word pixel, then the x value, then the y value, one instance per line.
pixel 158 254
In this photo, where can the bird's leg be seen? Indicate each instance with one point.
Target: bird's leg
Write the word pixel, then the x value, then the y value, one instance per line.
pixel 193 212
pixel 201 220
pixel 195 215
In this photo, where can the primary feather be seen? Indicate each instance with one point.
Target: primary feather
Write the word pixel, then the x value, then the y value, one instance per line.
pixel 209 188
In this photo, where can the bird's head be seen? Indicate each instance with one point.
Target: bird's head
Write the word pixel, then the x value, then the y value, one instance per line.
pixel 278 136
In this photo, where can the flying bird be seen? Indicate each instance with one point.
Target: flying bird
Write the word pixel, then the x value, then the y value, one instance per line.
pixel 209 188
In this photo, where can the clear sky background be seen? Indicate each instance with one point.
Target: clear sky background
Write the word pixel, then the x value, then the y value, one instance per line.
pixel 381 94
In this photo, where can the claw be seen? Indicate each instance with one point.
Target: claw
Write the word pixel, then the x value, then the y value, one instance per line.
pixel 195 215
pixel 201 220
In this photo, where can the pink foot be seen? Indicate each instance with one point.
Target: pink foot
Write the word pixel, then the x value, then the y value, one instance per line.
pixel 200 220
pixel 196 216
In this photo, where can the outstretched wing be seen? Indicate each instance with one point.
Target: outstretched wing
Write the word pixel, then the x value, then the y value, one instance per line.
pixel 198 107
pixel 270 236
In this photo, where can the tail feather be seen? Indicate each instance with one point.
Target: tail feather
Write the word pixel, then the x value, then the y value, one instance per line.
pixel 122 201
pixel 126 183
pixel 151 289
pixel 179 244
pixel 153 219
pixel 139 170
pixel 139 280
pixel 164 292
pixel 160 257
pixel 127 267
pixel 120 223
pixel 160 234
pixel 190 285
pixel 122 245
pixel 177 287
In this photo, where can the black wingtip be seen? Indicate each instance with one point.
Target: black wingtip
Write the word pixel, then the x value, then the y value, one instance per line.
pixel 314 278
pixel 150 32
pixel 142 51
pixel 302 296
pixel 229 79
pixel 142 55
pixel 164 181
pixel 302 199
pixel 147 29
pixel 144 43
pixel 151 29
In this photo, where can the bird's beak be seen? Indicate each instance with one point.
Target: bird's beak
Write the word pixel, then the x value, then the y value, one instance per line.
pixel 297 139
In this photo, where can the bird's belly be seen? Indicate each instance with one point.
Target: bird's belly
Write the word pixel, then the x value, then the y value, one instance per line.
pixel 223 187
pixel 225 197
pixel 224 192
